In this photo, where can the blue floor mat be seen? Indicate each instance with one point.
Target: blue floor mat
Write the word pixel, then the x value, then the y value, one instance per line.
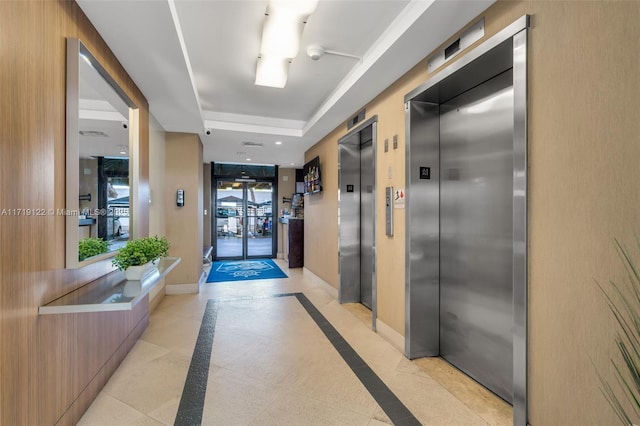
pixel 242 270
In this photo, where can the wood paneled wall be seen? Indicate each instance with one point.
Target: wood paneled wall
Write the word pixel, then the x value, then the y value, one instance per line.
pixel 51 367
pixel 583 149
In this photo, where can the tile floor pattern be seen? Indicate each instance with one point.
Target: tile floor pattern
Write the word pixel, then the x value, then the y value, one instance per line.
pixel 271 365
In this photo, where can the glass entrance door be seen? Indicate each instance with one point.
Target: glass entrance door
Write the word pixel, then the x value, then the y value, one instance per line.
pixel 259 217
pixel 244 217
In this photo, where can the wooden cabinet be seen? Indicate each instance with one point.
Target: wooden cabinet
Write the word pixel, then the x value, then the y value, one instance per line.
pixel 295 243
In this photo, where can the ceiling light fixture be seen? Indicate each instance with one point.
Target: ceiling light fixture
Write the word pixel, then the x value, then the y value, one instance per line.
pixel 278 142
pixel 281 34
pixel 272 72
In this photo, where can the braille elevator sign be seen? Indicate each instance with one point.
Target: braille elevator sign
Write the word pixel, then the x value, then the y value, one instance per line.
pixel 425 172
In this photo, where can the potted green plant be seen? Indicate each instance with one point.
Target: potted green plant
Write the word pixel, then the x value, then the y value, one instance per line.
pixel 90 247
pixel 137 257
pixel 624 302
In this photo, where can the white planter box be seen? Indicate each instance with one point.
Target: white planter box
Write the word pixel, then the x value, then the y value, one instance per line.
pixel 138 273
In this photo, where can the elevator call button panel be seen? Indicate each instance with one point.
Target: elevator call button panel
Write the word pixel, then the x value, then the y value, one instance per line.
pixel 388 210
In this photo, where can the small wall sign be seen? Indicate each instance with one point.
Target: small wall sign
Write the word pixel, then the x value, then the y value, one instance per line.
pixel 349 188
pixel 398 198
pixel 425 172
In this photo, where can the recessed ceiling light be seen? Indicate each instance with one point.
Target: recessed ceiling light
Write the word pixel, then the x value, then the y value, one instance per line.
pixel 248 159
pixel 278 142
pixel 293 164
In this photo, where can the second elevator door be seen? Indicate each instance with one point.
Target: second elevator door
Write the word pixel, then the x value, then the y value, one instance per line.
pixel 476 233
pixel 366 222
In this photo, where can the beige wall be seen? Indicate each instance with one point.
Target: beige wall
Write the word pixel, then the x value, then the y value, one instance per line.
pixel 583 151
pixel 206 180
pixel 184 225
pixel 321 213
pixel 285 189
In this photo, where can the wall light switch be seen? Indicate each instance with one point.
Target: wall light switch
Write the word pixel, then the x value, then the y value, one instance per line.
pixel 390 172
pixel 395 141
pixel 87 171
pixel 285 178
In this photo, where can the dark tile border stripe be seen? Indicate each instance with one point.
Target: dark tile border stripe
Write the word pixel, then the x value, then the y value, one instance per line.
pixel 195 387
pixel 386 399
pixel 192 401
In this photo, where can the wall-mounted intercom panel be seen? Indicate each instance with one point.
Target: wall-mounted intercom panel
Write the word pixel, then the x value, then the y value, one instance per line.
pixel 180 198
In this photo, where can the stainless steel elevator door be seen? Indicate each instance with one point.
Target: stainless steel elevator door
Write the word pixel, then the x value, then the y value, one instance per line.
pixel 366 224
pixel 476 233
pixel 349 219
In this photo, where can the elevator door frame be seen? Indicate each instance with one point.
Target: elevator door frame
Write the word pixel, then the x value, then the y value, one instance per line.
pixel 348 288
pixel 505 50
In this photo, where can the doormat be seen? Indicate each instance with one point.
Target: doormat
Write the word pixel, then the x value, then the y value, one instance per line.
pixel 243 270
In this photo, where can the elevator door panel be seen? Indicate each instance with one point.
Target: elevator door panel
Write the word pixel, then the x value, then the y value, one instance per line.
pixel 476 241
pixel 366 223
pixel 349 220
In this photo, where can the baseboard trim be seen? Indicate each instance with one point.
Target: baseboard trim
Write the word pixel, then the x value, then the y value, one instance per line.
pixel 333 292
pixel 390 335
pixel 182 289
pixel 155 297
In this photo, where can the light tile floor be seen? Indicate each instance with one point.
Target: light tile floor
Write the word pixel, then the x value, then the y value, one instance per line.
pixel 271 365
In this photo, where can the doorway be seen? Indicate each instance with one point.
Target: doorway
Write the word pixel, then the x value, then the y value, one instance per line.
pixel 476 233
pixel 356 216
pixel 466 220
pixel 243 219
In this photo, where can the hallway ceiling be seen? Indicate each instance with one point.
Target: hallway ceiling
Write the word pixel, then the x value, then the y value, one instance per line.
pixel 195 62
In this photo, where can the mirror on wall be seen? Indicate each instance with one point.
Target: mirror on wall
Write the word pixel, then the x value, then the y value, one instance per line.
pixel 100 137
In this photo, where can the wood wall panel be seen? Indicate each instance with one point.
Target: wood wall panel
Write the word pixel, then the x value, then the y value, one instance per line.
pixel 157 224
pixel 47 362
